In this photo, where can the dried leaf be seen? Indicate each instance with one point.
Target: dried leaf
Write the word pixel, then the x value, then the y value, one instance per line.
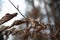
pixel 3 29
pixel 7 17
pixel 17 22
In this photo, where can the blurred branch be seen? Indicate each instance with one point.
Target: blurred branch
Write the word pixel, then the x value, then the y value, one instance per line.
pixel 31 2
pixel 47 12
pixel 56 32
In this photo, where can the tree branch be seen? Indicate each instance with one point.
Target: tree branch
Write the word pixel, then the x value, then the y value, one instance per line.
pixel 17 9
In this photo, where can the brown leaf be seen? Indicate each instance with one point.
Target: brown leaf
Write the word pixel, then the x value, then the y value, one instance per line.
pixel 17 22
pixel 3 29
pixel 7 17
pixel 17 32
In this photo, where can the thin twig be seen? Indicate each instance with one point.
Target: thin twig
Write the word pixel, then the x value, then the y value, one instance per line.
pixel 17 6
pixel 17 9
pixel 57 32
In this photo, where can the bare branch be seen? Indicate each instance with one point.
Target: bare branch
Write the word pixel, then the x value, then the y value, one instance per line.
pixel 17 9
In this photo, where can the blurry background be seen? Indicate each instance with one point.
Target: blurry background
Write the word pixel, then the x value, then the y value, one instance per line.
pixel 46 11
